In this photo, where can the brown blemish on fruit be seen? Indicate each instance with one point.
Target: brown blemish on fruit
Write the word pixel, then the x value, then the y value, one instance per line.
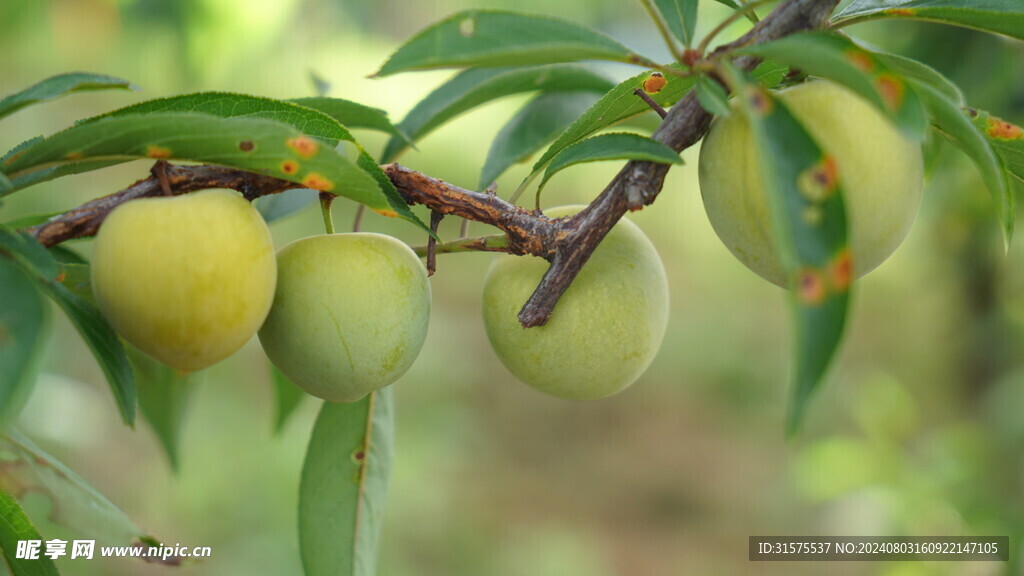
pixel 290 167
pixel 654 83
pixel 899 12
pixel 246 146
pixel 317 181
pixel 840 270
pixel 159 152
pixel 386 213
pixel 891 89
pixel 860 59
pixel 759 100
pixel 819 181
pixel 1002 130
pixel 810 287
pixel 304 146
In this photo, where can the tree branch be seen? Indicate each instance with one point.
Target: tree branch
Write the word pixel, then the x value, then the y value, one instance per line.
pixel 566 243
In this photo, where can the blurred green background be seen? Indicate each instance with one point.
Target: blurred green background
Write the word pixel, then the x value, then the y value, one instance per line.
pixel 918 431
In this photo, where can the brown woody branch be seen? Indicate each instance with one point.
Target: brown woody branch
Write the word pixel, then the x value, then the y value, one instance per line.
pixel 566 243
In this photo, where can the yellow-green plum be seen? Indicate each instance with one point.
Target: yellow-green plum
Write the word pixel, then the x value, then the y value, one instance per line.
pixel 350 314
pixel 605 329
pixel 186 279
pixel 880 171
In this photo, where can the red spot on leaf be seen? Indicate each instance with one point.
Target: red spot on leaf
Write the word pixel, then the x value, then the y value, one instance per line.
pixel 654 83
pixel 810 287
pixel 840 270
pixel 317 182
pixel 1002 130
pixel 290 167
pixel 158 152
pixel 304 146
pixel 820 181
pixel 891 89
pixel 862 60
pixel 246 146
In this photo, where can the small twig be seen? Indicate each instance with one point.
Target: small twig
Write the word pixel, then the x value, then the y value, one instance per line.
pixel 742 13
pixel 159 169
pixel 489 243
pixel 435 221
pixel 464 228
pixel 650 102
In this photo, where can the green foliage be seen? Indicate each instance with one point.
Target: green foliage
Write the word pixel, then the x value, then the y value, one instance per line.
pixel 1000 16
pixel 15 526
pixel 22 330
pixel 352 114
pixel 344 486
pixel 613 146
pixel 164 399
pixel 712 96
pixel 681 17
pixel 808 249
pixel 287 397
pixel 471 88
pixel 492 38
pixel 58 86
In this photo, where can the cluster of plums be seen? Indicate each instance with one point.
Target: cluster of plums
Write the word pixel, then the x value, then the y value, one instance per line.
pixel 190 279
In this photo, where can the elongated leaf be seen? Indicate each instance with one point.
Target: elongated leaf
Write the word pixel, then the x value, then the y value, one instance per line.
pixel 6 187
pixel 471 88
pixel 22 329
pixel 287 397
pixel 16 527
pixel 165 396
pixel 344 486
pixel 1000 16
pixel 614 146
pixel 1007 139
pixel 621 103
pixel 838 59
pixel 76 504
pixel 533 126
pixel 29 253
pixel 800 180
pixel 712 97
pixel 922 74
pixel 58 86
pixel 950 120
pixel 493 38
pixel 352 114
pixel 681 17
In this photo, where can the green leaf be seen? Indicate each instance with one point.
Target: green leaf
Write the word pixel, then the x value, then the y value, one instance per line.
pixel 613 146
pixel 477 86
pixel 921 74
pixel 76 504
pixel 29 253
pixel 164 399
pixel 1000 16
pixel 61 85
pixel 809 224
pixel 352 114
pixel 288 396
pixel 681 17
pixel 105 346
pixel 22 329
pixel 277 206
pixel 712 96
pixel 838 59
pixel 950 120
pixel 15 526
pixel 494 38
pixel 1007 139
pixel 621 103
pixel 533 126
pixel 730 3
pixel 344 486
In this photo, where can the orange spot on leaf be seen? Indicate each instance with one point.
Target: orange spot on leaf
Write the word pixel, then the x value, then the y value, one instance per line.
pixel 317 182
pixel 759 100
pixel 840 270
pixel 654 83
pixel 810 287
pixel 290 167
pixel 900 11
pixel 1002 130
pixel 860 59
pixel 74 156
pixel 891 89
pixel 304 146
pixel 159 152
pixel 246 146
pixel 819 181
pixel 386 213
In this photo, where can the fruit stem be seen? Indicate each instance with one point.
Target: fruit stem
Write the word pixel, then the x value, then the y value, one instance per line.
pixel 488 243
pixel 326 200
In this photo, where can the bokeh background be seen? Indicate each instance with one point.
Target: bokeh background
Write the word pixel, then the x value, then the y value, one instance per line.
pixel 918 430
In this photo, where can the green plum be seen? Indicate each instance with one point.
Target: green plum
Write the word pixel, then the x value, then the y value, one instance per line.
pixel 605 329
pixel 350 314
pixel 186 279
pixel 880 171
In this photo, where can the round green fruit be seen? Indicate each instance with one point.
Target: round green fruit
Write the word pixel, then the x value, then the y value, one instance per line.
pixel 605 329
pixel 350 314
pixel 880 171
pixel 186 279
